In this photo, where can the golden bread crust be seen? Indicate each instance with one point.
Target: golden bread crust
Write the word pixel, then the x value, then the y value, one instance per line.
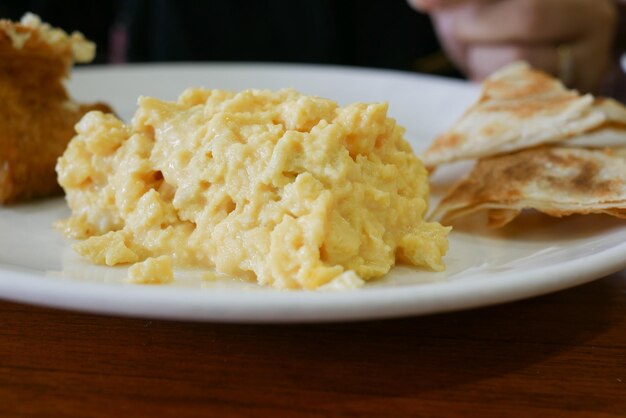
pixel 555 181
pixel 521 107
pixel 37 116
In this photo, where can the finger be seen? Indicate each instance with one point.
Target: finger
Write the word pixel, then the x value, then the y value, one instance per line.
pixel 596 50
pixel 484 59
pixel 526 21
pixel 456 50
pixel 445 23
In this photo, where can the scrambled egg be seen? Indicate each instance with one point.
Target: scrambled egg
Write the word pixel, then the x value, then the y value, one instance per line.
pixel 152 271
pixel 289 190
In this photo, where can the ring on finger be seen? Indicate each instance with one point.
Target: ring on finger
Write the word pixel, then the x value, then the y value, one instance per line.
pixel 565 64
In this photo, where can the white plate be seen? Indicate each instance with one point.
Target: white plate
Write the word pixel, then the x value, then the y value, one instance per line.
pixel 535 257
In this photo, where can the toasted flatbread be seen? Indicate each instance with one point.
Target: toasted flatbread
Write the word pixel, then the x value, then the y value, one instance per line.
pixel 610 134
pixel 521 107
pixel 557 181
pixel 37 116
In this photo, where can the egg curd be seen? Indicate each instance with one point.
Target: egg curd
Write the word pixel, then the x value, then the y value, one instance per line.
pixel 288 190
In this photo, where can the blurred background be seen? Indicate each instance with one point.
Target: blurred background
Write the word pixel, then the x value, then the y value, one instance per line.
pixel 369 33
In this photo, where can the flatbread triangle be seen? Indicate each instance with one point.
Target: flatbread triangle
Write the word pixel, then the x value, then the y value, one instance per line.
pixel 521 107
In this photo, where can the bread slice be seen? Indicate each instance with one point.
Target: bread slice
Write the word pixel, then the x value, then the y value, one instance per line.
pixel 610 134
pixel 521 107
pixel 37 116
pixel 558 181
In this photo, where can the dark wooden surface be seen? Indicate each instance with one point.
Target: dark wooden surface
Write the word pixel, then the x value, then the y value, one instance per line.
pixel 557 355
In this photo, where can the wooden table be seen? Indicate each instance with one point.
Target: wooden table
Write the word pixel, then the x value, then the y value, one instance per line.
pixel 557 355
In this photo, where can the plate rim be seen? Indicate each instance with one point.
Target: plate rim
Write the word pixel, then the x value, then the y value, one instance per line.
pixel 211 305
pixel 17 283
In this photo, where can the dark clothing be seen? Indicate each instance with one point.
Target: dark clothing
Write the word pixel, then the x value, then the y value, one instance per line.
pixel 372 33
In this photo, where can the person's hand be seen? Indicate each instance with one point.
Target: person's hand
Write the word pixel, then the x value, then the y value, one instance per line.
pixel 571 39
